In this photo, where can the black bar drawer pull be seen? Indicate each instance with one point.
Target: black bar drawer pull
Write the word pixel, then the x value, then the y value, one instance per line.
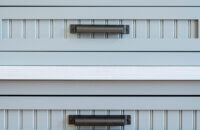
pixel 99 120
pixel 85 28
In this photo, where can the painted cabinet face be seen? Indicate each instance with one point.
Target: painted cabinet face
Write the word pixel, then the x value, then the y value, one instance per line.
pixel 36 112
pixel 58 119
pixel 157 36
pixel 161 33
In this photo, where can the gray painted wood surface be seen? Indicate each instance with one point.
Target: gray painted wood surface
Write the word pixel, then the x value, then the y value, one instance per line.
pixel 99 88
pixel 154 26
pixel 155 38
pixel 57 119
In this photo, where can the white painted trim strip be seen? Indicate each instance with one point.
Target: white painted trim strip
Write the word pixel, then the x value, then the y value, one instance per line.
pixel 98 73
pixel 114 103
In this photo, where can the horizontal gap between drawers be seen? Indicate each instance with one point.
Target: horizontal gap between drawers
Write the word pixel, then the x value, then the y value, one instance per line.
pixel 101 95
pixel 92 6
pixel 100 51
pixel 94 66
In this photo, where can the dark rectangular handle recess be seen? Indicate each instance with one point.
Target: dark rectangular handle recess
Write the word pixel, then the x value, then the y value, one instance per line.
pixel 85 28
pixel 99 120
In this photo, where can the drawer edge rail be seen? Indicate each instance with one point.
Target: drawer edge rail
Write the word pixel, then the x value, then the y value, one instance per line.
pixel 102 45
pixel 98 103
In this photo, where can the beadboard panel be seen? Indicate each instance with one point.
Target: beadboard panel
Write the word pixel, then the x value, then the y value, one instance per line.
pixel 99 87
pixel 54 35
pixel 58 119
pixel 58 29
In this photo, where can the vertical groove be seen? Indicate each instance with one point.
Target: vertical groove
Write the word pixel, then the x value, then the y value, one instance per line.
pixel 24 29
pixel 197 29
pixel 151 119
pixel 5 119
pixel 175 29
pixel 138 120
pixel 162 29
pixel 34 119
pixel 49 119
pixel 134 27
pixel 20 119
pixel 64 119
pixel 10 29
pixel 38 29
pixel 148 29
pixel 51 29
pixel 189 29
pixel 195 120
pixel 65 29
pixel 166 120
pixel 180 120
pixel 196 22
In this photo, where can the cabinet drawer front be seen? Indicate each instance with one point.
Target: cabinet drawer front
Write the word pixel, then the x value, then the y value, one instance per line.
pixel 148 31
pixel 41 36
pixel 53 112
pixel 58 119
